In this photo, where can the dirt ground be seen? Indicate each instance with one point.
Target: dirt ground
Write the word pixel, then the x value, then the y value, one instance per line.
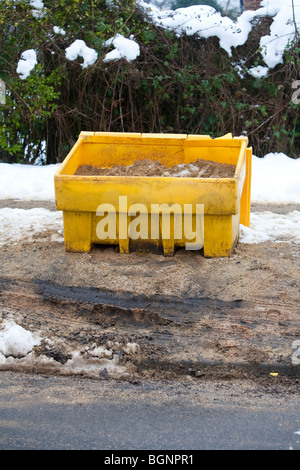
pixel 154 316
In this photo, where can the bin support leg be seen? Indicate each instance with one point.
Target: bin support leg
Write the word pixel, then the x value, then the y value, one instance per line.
pixel 218 235
pixel 246 194
pixel 78 231
pixel 124 246
pixel 168 247
pixel 124 243
pixel 167 243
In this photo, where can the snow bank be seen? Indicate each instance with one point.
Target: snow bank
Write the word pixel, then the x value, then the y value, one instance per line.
pixel 275 178
pixel 27 182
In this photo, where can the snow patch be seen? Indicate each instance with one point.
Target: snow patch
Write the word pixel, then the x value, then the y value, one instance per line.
pixel 204 22
pixel 27 182
pixel 89 362
pixel 58 30
pixel 27 63
pixel 275 178
pixel 38 4
pixel 124 49
pixel 269 226
pixel 282 30
pixel 17 352
pixel 131 348
pixel 259 72
pixel 16 341
pixel 17 225
pixel 79 49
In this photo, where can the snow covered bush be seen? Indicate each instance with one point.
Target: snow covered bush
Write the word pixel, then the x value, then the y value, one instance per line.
pixel 124 65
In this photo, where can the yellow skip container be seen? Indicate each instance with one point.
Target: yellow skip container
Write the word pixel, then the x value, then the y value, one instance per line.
pixel 225 201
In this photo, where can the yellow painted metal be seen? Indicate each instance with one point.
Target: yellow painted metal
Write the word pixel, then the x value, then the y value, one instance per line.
pixel 226 200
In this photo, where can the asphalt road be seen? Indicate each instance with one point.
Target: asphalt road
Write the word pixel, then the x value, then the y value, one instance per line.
pixel 70 413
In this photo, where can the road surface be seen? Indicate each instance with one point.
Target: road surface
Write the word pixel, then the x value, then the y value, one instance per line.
pixel 71 413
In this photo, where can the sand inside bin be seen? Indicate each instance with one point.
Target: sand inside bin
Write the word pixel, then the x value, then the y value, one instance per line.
pixel 197 169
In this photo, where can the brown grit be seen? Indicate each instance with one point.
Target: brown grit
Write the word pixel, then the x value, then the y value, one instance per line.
pixel 198 169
